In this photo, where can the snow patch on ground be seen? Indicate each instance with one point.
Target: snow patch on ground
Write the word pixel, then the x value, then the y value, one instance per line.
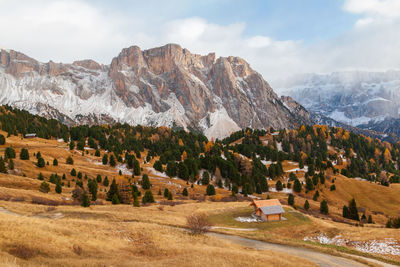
pixel 305 169
pixel 248 219
pixel 284 190
pixel 123 169
pixel 386 246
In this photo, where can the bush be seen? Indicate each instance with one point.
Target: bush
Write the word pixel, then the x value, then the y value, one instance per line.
pixel 22 251
pixel 24 155
pixel 332 188
pixel 40 177
pixel 44 187
pixel 70 160
pixel 197 224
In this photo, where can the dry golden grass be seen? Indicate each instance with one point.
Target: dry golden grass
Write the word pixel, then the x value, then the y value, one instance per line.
pixel 102 223
pixel 93 241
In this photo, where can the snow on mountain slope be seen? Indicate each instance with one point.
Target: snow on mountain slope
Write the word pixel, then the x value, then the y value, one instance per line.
pixel 354 98
pixel 166 86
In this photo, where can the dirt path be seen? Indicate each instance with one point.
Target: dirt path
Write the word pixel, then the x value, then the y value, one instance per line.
pixel 316 257
pixel 319 258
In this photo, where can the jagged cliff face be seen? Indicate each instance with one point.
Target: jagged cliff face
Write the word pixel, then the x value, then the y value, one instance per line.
pixel 161 86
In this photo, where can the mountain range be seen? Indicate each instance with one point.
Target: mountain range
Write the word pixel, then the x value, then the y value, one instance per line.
pixel 166 86
pixel 367 100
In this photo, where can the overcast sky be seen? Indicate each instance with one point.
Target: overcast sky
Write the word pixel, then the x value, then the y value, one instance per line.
pixel 278 38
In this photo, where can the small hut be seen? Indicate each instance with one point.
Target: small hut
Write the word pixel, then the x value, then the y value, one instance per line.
pixel 268 210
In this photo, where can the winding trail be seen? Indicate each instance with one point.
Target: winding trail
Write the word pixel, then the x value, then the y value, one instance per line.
pixel 319 258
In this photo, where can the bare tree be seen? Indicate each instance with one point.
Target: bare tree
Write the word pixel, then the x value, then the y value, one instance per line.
pixel 197 224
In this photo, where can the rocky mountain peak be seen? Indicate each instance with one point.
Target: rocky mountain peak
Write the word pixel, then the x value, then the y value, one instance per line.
pixel 167 85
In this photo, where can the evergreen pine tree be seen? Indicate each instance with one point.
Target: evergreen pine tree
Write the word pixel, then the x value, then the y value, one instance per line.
pixel 210 190
pixel 205 178
pixel 279 186
pixel 185 192
pixel 324 209
pixel 24 155
pixel 345 212
pixel 71 145
pixel 353 211
pixel 9 153
pixel 306 205
pixel 158 166
pixel 370 219
pixel 58 188
pixel 98 178
pixel 115 199
pixel 136 167
pixel 40 177
pixel 136 200
pixel 55 162
pixel 146 182
pixel 73 172
pixel 2 139
pixel 291 199
pixel 93 187
pixel 113 191
pixel 297 186
pixel 148 197
pixel 105 181
pixel 170 196
pixel 105 159
pixel 10 164
pixel 166 191
pixel 112 161
pixel 316 195
pixel 40 163
pixel 85 200
pixel 2 166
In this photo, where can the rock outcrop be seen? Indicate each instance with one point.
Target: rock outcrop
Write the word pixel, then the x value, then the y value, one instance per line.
pixel 167 86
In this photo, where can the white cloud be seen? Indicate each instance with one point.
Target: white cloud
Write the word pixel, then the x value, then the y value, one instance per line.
pixel 67 30
pixel 376 8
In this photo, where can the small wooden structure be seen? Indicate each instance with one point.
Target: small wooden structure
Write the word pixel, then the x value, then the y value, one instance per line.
pixel 268 210
pixel 30 135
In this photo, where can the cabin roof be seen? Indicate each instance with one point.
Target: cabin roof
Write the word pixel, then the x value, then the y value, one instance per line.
pixel 266 202
pixel 275 209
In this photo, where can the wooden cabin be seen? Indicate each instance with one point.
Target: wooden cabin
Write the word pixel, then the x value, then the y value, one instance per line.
pixel 268 210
